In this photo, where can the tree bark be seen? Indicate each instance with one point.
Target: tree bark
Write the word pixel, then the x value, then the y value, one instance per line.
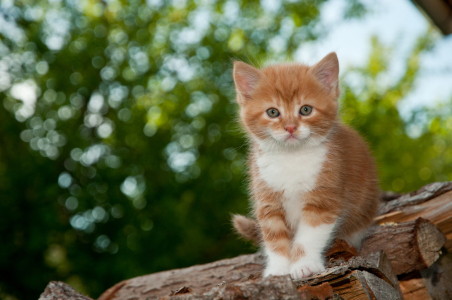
pixel 422 195
pixel 414 288
pixel 410 246
pixel 432 202
pixel 438 210
pixel 362 277
pixel 368 277
pixel 438 278
pixel 201 278
pixel 57 290
pixel 434 283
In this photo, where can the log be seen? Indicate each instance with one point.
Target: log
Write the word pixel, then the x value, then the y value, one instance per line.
pixel 414 288
pixel 200 278
pixel 57 290
pixel 364 285
pixel 362 277
pixel 410 246
pixel 341 251
pixel 438 210
pixel 438 278
pixel 432 283
pixel 321 291
pixel 432 202
pixel 280 287
pixel 420 196
pixel 368 277
pixel 388 196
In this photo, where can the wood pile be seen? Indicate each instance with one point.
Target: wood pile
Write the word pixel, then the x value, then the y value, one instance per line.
pixel 405 257
pixel 434 203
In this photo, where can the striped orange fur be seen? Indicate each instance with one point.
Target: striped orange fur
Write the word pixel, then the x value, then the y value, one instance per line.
pixel 312 178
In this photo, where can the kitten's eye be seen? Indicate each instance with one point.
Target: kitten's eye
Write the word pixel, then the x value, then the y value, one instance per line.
pixel 305 110
pixel 272 112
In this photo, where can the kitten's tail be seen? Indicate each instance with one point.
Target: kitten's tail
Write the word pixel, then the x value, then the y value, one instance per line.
pixel 247 228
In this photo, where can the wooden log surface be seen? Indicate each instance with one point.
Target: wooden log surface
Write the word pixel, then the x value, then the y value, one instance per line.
pixel 410 246
pixel 434 283
pixel 420 196
pixel 280 287
pixel 57 290
pixel 200 278
pixel 438 278
pixel 414 288
pixel 432 202
pixel 347 277
pixel 241 278
pixel 438 210
pixel 356 278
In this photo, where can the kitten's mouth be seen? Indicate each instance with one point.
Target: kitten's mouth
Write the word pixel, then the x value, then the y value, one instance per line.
pixel 291 137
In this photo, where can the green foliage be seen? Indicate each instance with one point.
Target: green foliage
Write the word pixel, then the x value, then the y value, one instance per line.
pixel 130 161
pixel 409 153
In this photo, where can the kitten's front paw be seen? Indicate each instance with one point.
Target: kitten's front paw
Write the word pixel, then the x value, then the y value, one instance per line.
pixel 276 271
pixel 306 267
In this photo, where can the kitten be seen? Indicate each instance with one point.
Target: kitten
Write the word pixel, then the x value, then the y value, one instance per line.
pixel 313 179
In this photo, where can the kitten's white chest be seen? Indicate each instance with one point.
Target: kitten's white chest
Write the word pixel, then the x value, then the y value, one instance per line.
pixel 293 173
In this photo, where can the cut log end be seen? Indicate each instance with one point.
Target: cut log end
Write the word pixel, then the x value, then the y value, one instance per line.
pixel 410 246
pixel 400 248
pixel 430 240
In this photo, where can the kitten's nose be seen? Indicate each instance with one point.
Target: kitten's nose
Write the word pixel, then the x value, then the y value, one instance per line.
pixel 290 128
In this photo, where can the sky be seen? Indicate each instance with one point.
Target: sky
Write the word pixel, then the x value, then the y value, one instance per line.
pixel 397 24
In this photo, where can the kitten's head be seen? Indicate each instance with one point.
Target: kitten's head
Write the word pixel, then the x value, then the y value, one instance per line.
pixel 288 105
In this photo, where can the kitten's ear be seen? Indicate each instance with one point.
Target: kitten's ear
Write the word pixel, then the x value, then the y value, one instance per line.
pixel 246 79
pixel 327 73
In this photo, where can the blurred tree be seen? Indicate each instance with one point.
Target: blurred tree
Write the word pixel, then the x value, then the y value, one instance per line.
pixel 409 153
pixel 119 152
pixel 134 161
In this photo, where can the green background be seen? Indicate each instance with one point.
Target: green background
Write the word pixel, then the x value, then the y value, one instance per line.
pixel 131 160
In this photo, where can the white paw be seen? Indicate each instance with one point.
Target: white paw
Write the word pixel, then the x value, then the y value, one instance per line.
pixel 306 267
pixel 276 270
pixel 277 265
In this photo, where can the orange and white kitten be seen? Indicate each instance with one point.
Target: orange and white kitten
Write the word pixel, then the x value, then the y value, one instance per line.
pixel 313 179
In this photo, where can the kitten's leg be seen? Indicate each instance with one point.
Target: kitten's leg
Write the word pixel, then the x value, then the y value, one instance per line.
pixel 276 240
pixel 314 233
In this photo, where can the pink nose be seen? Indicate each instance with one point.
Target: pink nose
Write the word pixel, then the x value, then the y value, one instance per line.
pixel 290 128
